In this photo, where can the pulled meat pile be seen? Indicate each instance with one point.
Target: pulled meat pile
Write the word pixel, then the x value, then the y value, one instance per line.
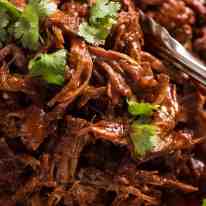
pixel 70 144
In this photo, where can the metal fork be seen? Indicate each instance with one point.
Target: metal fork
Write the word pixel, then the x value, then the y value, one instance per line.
pixel 171 50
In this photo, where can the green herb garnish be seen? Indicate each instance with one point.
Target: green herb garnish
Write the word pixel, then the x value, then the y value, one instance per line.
pixel 142 108
pixel 43 7
pixel 103 16
pixel 25 24
pixel 5 21
pixel 50 67
pixel 144 138
pixel 143 135
pixel 27 28
pixel 10 8
pixel 8 15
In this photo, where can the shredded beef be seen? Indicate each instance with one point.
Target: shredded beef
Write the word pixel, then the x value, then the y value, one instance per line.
pixel 71 144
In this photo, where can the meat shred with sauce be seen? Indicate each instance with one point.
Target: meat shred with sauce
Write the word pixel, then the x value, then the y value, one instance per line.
pixel 70 145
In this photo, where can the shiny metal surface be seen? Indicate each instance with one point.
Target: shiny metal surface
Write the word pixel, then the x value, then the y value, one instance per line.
pixel 171 50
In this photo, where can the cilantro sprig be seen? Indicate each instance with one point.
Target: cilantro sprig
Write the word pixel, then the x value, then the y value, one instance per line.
pixel 8 15
pixel 50 67
pixel 25 24
pixel 104 12
pixel 144 138
pixel 10 8
pixel 43 7
pixel 143 135
pixel 27 28
pixel 5 21
pixel 103 16
pixel 141 108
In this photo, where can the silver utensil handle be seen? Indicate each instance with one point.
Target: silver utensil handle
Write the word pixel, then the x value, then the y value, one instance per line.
pixel 169 48
pixel 190 64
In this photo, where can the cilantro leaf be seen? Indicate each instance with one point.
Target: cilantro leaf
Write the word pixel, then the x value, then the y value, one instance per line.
pixel 143 135
pixel 27 28
pixel 204 202
pixel 5 23
pixel 144 138
pixel 103 10
pixel 92 34
pixel 10 8
pixel 50 66
pixel 145 109
pixel 44 7
pixel 103 16
pixel 5 19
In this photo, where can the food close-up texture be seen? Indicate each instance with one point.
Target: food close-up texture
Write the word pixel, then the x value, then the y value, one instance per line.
pixel 89 115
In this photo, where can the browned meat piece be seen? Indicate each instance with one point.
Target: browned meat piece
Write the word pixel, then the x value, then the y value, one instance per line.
pixel 91 93
pixel 184 140
pixel 27 189
pixel 102 180
pixel 155 180
pixel 175 13
pixel 117 87
pixel 32 185
pixel 135 75
pixel 66 157
pixel 198 6
pixel 112 131
pixel 15 54
pixel 35 200
pixel 152 2
pixel 70 145
pixel 33 129
pixel 56 196
pixel 30 161
pixel 7 201
pixel 9 125
pixel 198 167
pixel 45 169
pixel 14 83
pixel 10 169
pixel 199 43
pixel 10 114
pixel 123 199
pixel 70 17
pixel 128 34
pixel 192 104
pixel 149 181
pixel 165 117
pixel 76 8
pixel 115 132
pixel 67 152
pixel 84 195
pixel 58 38
pixel 176 17
pixel 5 152
pixel 155 63
pixel 181 200
pixel 80 78
pixel 66 22
pixel 111 55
